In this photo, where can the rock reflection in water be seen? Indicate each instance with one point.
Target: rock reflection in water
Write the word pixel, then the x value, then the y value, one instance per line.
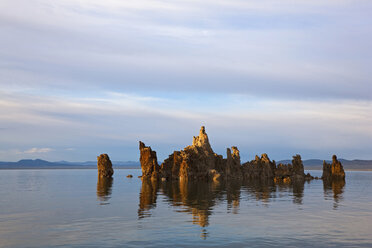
pixel 267 190
pixel 334 188
pixel 147 199
pixel 260 190
pixel 104 188
pixel 198 198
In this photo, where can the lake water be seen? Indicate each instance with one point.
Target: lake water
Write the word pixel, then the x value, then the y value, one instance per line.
pixel 71 208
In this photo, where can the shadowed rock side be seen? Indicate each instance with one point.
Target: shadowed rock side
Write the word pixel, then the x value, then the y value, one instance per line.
pixel 104 166
pixel 333 171
pixel 198 161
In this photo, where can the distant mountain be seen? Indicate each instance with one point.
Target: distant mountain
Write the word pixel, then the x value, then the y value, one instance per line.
pixel 43 164
pixel 309 164
pixel 355 164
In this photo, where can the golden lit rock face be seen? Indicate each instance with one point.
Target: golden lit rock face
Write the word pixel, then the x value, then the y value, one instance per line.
pixel 202 141
pixel 104 166
pixel 149 161
pixel 337 168
pixel 198 161
pixel 334 170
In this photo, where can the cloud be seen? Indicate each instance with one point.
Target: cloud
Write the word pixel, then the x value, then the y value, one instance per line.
pixel 38 150
pixel 317 49
pixel 115 122
pixel 270 77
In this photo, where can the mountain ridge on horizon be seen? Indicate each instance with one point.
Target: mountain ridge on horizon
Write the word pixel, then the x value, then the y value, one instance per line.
pixel 355 164
pixel 44 164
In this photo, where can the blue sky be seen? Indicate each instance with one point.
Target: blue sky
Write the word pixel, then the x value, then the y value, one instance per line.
pixel 80 78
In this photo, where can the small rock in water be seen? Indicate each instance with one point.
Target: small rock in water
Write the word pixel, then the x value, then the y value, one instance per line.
pixel 129 176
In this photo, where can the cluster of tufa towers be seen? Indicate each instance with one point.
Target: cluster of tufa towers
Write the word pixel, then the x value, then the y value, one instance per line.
pixel 199 161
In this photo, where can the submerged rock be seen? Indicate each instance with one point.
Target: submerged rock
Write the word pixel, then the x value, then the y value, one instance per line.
pixel 104 166
pixel 334 170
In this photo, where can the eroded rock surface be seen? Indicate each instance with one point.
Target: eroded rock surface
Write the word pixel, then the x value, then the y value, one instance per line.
pixel 233 166
pixel 334 170
pixel 149 161
pixel 104 166
pixel 195 161
pixel 259 168
pixel 198 161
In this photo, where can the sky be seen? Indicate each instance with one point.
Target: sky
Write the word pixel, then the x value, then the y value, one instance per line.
pixel 83 77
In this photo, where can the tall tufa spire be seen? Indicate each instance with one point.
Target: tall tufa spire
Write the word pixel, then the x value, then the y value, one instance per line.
pixel 202 140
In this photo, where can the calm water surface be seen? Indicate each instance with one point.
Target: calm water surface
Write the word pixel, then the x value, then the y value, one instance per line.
pixel 71 208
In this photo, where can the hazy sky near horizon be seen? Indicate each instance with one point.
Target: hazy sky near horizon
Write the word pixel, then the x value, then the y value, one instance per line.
pixel 80 78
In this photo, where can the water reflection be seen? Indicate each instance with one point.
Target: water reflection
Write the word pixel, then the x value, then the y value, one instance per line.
pixel 260 190
pixel 268 190
pixel 148 195
pixel 104 189
pixel 199 198
pixel 334 188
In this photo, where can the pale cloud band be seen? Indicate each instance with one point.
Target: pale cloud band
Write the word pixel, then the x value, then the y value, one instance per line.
pixel 116 122
pixel 38 150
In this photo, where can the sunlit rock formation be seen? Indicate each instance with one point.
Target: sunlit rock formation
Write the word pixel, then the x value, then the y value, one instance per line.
pixel 333 179
pixel 195 161
pixel 290 172
pixel 233 166
pixel 149 161
pixel 334 171
pixel 199 161
pixel 259 168
pixel 104 166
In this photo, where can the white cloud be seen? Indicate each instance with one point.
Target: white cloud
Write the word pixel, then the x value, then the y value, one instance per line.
pixel 305 48
pixel 38 150
pixel 118 120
